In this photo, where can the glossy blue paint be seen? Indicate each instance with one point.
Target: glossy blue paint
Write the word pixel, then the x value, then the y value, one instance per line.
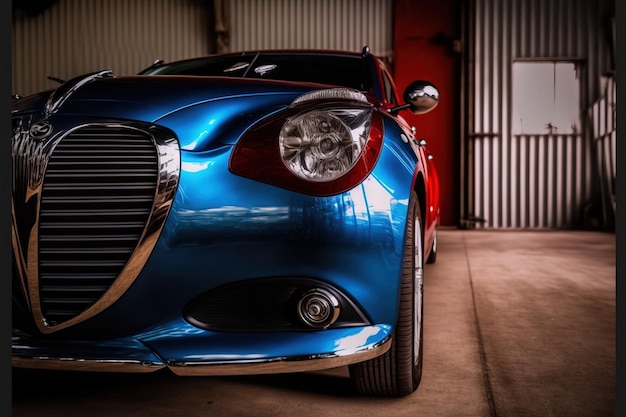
pixel 221 122
pixel 224 229
pixel 152 98
pixel 178 343
pixel 243 229
pixel 118 349
pixel 205 346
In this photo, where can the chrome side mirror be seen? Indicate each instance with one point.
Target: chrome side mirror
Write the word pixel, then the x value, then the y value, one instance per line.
pixel 420 97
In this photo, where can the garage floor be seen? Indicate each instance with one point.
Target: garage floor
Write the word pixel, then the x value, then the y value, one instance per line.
pixel 516 324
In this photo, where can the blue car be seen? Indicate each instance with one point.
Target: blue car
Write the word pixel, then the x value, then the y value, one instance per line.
pixel 246 213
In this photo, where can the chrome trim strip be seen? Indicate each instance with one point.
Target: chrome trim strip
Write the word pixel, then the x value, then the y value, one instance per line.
pixel 243 367
pixel 277 365
pixel 29 160
pixel 332 93
pixel 69 364
pixel 61 94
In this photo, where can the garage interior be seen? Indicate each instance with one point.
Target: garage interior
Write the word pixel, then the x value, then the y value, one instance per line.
pixel 552 172
pixel 521 305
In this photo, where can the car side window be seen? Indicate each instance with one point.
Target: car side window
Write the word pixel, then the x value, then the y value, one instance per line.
pixel 389 91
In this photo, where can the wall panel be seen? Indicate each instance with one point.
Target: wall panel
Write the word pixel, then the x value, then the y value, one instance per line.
pixel 532 181
pixel 73 37
pixel 318 24
pixel 602 115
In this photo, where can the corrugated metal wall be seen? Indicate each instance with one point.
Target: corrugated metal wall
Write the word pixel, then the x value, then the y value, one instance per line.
pixel 602 116
pixel 73 37
pixel 510 181
pixel 320 24
pixel 528 181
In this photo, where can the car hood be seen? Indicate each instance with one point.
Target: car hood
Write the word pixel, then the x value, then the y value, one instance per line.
pixel 204 112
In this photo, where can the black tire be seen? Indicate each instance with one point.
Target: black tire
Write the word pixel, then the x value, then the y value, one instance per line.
pixel 432 257
pixel 398 372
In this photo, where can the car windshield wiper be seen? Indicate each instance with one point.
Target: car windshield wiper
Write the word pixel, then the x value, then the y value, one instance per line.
pixel 251 64
pixel 155 64
pixel 238 66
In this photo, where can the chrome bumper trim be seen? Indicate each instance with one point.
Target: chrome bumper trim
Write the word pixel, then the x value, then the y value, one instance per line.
pixel 243 367
pixel 277 365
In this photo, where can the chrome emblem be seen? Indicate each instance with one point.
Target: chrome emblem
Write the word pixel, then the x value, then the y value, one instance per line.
pixel 40 130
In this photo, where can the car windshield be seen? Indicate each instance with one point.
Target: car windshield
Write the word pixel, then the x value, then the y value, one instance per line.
pixel 340 70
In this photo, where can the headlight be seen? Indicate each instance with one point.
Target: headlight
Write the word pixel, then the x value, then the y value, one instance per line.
pixel 324 145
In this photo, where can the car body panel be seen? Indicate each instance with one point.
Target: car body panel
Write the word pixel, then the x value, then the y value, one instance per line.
pixel 217 229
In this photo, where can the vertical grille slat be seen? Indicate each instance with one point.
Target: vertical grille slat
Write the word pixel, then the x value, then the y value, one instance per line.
pixel 97 197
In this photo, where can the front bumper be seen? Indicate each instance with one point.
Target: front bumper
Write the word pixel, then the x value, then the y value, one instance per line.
pixel 213 237
pixel 194 352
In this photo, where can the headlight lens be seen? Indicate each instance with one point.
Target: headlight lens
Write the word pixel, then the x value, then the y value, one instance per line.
pixel 323 145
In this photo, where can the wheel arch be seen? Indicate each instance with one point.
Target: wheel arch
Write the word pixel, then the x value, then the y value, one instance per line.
pixel 419 186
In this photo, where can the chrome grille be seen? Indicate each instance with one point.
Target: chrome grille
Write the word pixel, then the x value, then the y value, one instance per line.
pixel 88 206
pixel 97 197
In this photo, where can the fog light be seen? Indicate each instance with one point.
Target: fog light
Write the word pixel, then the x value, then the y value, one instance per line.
pixel 318 308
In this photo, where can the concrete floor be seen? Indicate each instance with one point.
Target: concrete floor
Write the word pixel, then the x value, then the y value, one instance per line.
pixel 516 324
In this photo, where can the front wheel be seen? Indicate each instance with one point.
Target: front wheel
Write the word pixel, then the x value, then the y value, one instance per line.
pixel 398 372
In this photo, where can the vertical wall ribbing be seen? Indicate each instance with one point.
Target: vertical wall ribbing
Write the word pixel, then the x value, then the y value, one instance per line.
pixel 318 24
pixel 73 37
pixel 533 181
